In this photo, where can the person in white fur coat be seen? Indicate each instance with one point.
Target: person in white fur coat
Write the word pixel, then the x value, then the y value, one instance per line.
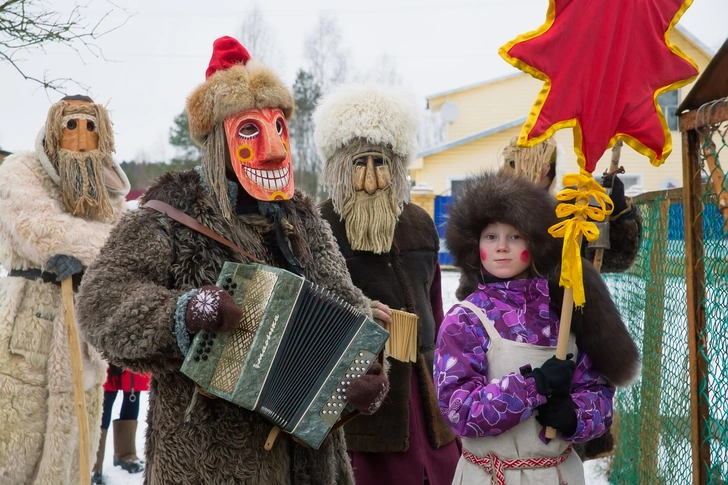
pixel 57 207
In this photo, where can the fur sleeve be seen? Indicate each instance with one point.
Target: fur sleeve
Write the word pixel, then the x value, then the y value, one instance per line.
pixel 599 329
pixel 329 268
pixel 125 308
pixel 36 224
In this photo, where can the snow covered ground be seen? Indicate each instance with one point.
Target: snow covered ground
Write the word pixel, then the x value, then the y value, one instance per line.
pixel 116 476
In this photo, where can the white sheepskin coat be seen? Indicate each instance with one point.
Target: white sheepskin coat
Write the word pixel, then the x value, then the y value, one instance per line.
pixel 38 427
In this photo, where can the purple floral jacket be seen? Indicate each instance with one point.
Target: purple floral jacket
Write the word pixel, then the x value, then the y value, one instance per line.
pixel 474 407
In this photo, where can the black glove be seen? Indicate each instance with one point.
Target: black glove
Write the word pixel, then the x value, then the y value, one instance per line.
pixel 559 413
pixel 64 266
pixel 554 377
pixel 611 181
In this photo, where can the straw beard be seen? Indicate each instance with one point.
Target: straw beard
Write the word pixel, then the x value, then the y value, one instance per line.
pixel 82 183
pixel 370 220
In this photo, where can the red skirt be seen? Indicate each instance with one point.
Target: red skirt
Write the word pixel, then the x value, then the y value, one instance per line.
pixel 126 381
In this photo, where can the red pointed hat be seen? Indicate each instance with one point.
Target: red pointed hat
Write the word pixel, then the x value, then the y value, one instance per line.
pixel 226 52
pixel 234 83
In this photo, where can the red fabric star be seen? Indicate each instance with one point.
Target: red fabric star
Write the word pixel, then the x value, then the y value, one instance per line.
pixel 603 63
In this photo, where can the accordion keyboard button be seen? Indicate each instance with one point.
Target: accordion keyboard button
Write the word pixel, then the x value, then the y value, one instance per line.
pixel 210 342
pixel 204 336
pixel 197 358
pixel 213 335
pixel 229 279
pixel 204 356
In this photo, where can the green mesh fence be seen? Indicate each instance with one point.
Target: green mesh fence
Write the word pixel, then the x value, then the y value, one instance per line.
pixel 653 417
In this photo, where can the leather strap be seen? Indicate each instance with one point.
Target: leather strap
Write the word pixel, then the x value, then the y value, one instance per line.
pixel 190 222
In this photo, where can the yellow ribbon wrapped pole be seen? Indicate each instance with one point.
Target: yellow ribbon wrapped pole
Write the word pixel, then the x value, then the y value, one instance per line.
pixel 572 229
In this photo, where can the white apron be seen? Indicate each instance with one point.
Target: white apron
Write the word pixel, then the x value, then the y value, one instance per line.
pixel 522 441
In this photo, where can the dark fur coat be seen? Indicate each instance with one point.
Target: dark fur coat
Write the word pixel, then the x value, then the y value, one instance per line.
pixel 126 309
pixel 597 326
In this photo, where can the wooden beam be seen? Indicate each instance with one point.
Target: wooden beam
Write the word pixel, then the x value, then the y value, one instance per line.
pixel 695 285
pixel 649 416
pixel 703 116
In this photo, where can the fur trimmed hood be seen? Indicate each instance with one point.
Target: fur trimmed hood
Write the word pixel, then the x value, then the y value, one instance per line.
pixel 381 115
pixel 232 91
pixel 497 197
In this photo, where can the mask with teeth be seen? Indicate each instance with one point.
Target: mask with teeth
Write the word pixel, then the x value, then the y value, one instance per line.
pixel 259 152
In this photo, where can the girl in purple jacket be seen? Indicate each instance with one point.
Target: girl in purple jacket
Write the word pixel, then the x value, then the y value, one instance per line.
pixel 497 379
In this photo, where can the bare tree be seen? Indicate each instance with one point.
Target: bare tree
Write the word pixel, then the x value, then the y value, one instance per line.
pixel 384 71
pixel 327 59
pixel 257 35
pixel 27 25
pixel 431 132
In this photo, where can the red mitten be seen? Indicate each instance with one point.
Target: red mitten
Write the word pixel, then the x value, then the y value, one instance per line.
pixel 367 392
pixel 212 309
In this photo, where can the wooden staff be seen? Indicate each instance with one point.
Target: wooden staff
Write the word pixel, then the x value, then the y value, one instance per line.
pixel 79 397
pixel 613 168
pixel 717 176
pixel 567 309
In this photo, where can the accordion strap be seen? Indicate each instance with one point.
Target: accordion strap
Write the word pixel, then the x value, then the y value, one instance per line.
pixel 190 222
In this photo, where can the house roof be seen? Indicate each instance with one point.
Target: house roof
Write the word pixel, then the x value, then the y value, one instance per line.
pixel 476 85
pixel 481 134
pixel 712 83
pixel 700 45
pixel 5 153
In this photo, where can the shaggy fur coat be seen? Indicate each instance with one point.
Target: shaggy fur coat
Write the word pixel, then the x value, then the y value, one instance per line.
pixel 126 309
pixel 38 430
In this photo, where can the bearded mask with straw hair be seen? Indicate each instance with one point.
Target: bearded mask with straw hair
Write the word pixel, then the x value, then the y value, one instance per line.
pixel 81 171
pixel 370 218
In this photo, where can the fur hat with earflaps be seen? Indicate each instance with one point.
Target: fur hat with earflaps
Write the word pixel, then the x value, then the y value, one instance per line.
pixel 506 198
pixel 234 83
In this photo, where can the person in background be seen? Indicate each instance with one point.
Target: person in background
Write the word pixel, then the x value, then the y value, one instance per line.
pixel 125 456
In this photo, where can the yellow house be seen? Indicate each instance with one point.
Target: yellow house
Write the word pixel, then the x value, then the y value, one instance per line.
pixel 482 118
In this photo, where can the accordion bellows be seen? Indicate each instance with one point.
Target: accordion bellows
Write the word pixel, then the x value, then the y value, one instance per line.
pixel 292 357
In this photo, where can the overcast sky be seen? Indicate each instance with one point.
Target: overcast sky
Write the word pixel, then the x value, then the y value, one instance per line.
pixel 158 57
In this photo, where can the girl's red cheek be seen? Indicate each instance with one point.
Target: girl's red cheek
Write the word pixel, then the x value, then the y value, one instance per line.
pixel 482 254
pixel 524 256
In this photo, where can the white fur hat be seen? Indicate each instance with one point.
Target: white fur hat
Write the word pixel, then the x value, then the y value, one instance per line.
pixel 382 115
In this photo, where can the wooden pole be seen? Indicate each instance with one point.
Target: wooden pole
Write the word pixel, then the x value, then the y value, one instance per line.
pixel 613 168
pixel 650 420
pixel 79 397
pixel 717 176
pixel 567 310
pixel 695 286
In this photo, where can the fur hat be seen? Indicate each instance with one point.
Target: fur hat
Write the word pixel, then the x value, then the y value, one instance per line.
pixel 510 199
pixel 234 83
pixel 381 115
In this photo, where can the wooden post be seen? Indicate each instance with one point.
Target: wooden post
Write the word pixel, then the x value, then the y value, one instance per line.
pixel 695 285
pixel 649 416
pixel 613 168
pixel 79 397
pixel 717 176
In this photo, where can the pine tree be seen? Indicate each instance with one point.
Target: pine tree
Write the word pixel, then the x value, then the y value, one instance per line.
pixel 306 162
pixel 179 137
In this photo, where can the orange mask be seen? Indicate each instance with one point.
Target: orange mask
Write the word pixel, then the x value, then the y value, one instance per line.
pixel 79 131
pixel 259 152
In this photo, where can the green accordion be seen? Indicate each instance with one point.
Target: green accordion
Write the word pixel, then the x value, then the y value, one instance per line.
pixel 293 355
